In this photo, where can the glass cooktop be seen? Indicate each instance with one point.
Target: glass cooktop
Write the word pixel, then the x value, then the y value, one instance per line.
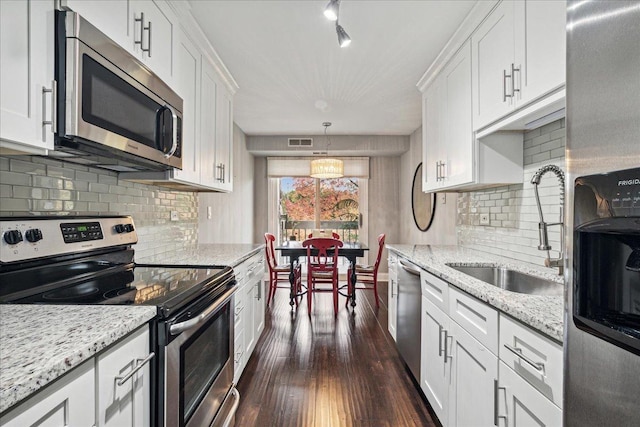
pixel 167 287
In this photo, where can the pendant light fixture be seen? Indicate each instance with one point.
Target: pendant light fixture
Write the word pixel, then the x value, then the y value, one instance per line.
pixel 326 167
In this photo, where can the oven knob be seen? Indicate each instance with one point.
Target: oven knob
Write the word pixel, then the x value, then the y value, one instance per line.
pixel 128 228
pixel 12 237
pixel 33 235
pixel 120 228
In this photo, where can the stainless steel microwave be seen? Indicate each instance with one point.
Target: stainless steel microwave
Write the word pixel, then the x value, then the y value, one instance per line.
pixel 112 111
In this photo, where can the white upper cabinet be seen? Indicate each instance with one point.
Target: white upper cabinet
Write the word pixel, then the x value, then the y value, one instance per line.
pixel 186 84
pixel 432 135
pixel 493 54
pixel 224 140
pixel 143 27
pixel 152 33
pixel 27 94
pixel 518 55
pixel 458 164
pixel 109 16
pixel 447 135
pixel 453 158
pixel 208 123
pixel 540 48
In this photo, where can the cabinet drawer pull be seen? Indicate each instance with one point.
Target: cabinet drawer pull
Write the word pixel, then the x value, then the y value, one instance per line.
pixel 538 366
pixel 139 364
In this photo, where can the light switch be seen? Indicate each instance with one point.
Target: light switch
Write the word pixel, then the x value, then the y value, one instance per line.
pixel 209 213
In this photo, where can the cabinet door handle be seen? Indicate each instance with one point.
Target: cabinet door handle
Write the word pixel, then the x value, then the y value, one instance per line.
pixel 443 171
pixel 506 76
pixel 496 406
pixel 538 366
pixel 446 346
pixel 513 79
pixel 141 21
pixel 148 30
pixel 441 329
pixel 54 100
pixel 224 175
pixel 139 364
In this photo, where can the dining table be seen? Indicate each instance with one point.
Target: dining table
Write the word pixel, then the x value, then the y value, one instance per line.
pixel 293 250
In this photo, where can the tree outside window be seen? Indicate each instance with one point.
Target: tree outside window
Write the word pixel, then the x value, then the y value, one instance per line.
pixel 328 204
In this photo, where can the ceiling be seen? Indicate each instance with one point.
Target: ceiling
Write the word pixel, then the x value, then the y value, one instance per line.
pixel 293 75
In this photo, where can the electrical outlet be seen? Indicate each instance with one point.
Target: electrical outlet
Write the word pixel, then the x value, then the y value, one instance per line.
pixel 174 216
pixel 209 212
pixel 484 219
pixel 443 198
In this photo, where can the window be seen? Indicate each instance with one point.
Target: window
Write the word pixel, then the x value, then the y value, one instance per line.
pixel 307 204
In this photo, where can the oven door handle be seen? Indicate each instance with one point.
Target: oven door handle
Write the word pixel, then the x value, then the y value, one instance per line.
pixel 204 316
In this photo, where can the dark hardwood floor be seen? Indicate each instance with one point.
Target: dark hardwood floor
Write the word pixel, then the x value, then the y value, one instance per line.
pixel 322 370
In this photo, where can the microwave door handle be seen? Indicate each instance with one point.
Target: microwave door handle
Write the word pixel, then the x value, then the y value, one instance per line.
pixel 174 133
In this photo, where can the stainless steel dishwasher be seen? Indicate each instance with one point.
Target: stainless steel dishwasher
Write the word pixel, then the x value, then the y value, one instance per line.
pixel 408 316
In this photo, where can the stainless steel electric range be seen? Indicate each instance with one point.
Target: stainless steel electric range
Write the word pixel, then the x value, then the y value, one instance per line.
pixel 90 260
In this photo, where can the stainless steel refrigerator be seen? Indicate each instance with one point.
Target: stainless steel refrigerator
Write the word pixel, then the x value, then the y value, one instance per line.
pixel 602 318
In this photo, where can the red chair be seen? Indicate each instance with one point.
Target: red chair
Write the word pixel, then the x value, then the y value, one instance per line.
pixel 334 235
pixel 322 267
pixel 280 273
pixel 367 275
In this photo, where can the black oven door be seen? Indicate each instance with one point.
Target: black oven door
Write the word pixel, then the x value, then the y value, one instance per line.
pixel 199 362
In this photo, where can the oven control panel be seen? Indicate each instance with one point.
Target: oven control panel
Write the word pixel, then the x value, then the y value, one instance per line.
pixel 25 238
pixel 81 232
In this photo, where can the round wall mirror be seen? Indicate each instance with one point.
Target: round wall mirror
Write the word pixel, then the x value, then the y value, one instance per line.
pixel 423 205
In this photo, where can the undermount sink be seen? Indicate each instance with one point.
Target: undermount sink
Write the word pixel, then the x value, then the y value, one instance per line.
pixel 511 280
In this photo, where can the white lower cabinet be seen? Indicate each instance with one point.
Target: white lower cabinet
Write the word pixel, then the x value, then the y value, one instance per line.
pixel 457 371
pixel 474 370
pixel 67 402
pixel 123 381
pixel 482 368
pixel 111 389
pixel 435 372
pixel 392 294
pixel 249 311
pixel 521 405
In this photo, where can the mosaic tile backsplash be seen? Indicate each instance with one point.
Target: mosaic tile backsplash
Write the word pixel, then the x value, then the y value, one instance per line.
pixel 513 215
pixel 32 185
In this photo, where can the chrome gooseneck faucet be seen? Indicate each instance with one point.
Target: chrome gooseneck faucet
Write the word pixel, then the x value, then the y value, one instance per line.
pixel 543 226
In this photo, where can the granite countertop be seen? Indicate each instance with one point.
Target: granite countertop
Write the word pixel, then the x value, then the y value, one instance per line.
pixel 231 254
pixel 39 343
pixel 543 313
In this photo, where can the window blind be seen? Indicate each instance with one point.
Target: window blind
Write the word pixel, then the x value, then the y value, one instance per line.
pixel 278 167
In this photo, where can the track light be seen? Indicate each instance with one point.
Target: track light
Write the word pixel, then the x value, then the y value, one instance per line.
pixel 343 38
pixel 331 11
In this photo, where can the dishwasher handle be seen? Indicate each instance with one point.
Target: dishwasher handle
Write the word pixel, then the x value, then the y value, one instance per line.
pixel 409 268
